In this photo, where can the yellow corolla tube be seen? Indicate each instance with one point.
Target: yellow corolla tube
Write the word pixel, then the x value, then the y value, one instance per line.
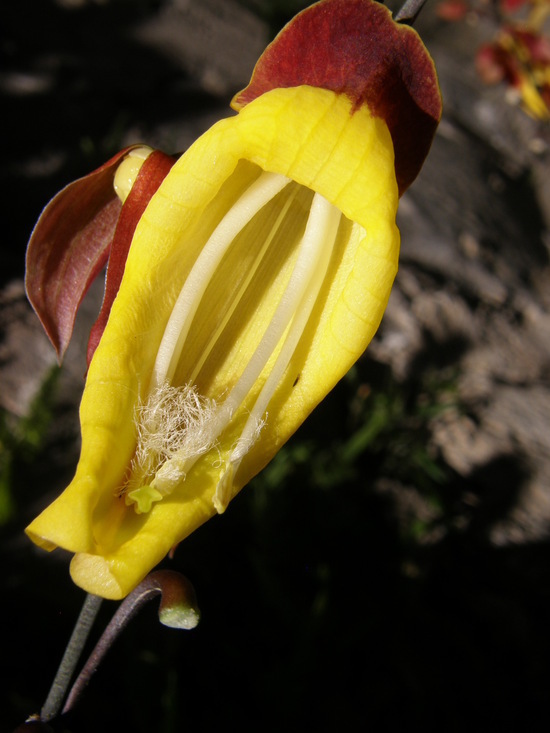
pixel 256 277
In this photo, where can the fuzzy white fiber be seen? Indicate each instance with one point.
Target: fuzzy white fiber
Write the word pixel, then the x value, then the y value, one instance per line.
pixel 175 426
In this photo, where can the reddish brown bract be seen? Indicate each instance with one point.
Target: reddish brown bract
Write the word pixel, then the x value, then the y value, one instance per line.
pixel 71 243
pixel 68 248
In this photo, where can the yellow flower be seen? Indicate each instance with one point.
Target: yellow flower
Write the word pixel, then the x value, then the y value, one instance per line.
pixel 256 276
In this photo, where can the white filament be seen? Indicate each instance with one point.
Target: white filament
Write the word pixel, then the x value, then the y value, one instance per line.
pixel 297 303
pixel 311 248
pixel 253 199
pixel 244 285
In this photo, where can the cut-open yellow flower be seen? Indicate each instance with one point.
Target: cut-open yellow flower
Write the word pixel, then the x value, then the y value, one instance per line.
pixel 256 276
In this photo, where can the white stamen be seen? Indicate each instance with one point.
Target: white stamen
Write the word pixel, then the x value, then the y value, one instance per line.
pixel 244 285
pixel 312 245
pixel 176 426
pixel 313 256
pixel 322 230
pixel 253 199
pixel 297 304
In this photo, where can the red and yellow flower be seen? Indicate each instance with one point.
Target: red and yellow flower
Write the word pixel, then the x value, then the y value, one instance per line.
pixel 239 292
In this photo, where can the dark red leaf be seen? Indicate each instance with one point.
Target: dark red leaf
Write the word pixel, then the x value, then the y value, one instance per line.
pixel 153 171
pixel 354 47
pixel 68 247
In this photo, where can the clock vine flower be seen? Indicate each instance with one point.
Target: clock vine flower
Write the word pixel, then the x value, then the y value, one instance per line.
pixel 244 280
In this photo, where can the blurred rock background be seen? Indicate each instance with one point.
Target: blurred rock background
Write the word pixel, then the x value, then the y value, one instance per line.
pixel 391 567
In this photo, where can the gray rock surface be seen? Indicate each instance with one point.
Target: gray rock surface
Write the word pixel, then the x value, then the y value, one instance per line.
pixel 474 283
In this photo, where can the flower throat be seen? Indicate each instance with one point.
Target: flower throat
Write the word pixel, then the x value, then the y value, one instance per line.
pixel 176 424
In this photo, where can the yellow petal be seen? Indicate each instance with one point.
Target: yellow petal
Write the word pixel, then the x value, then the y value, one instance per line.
pixel 311 137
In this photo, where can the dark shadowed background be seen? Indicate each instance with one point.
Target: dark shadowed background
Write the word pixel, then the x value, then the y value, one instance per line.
pixel 391 569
